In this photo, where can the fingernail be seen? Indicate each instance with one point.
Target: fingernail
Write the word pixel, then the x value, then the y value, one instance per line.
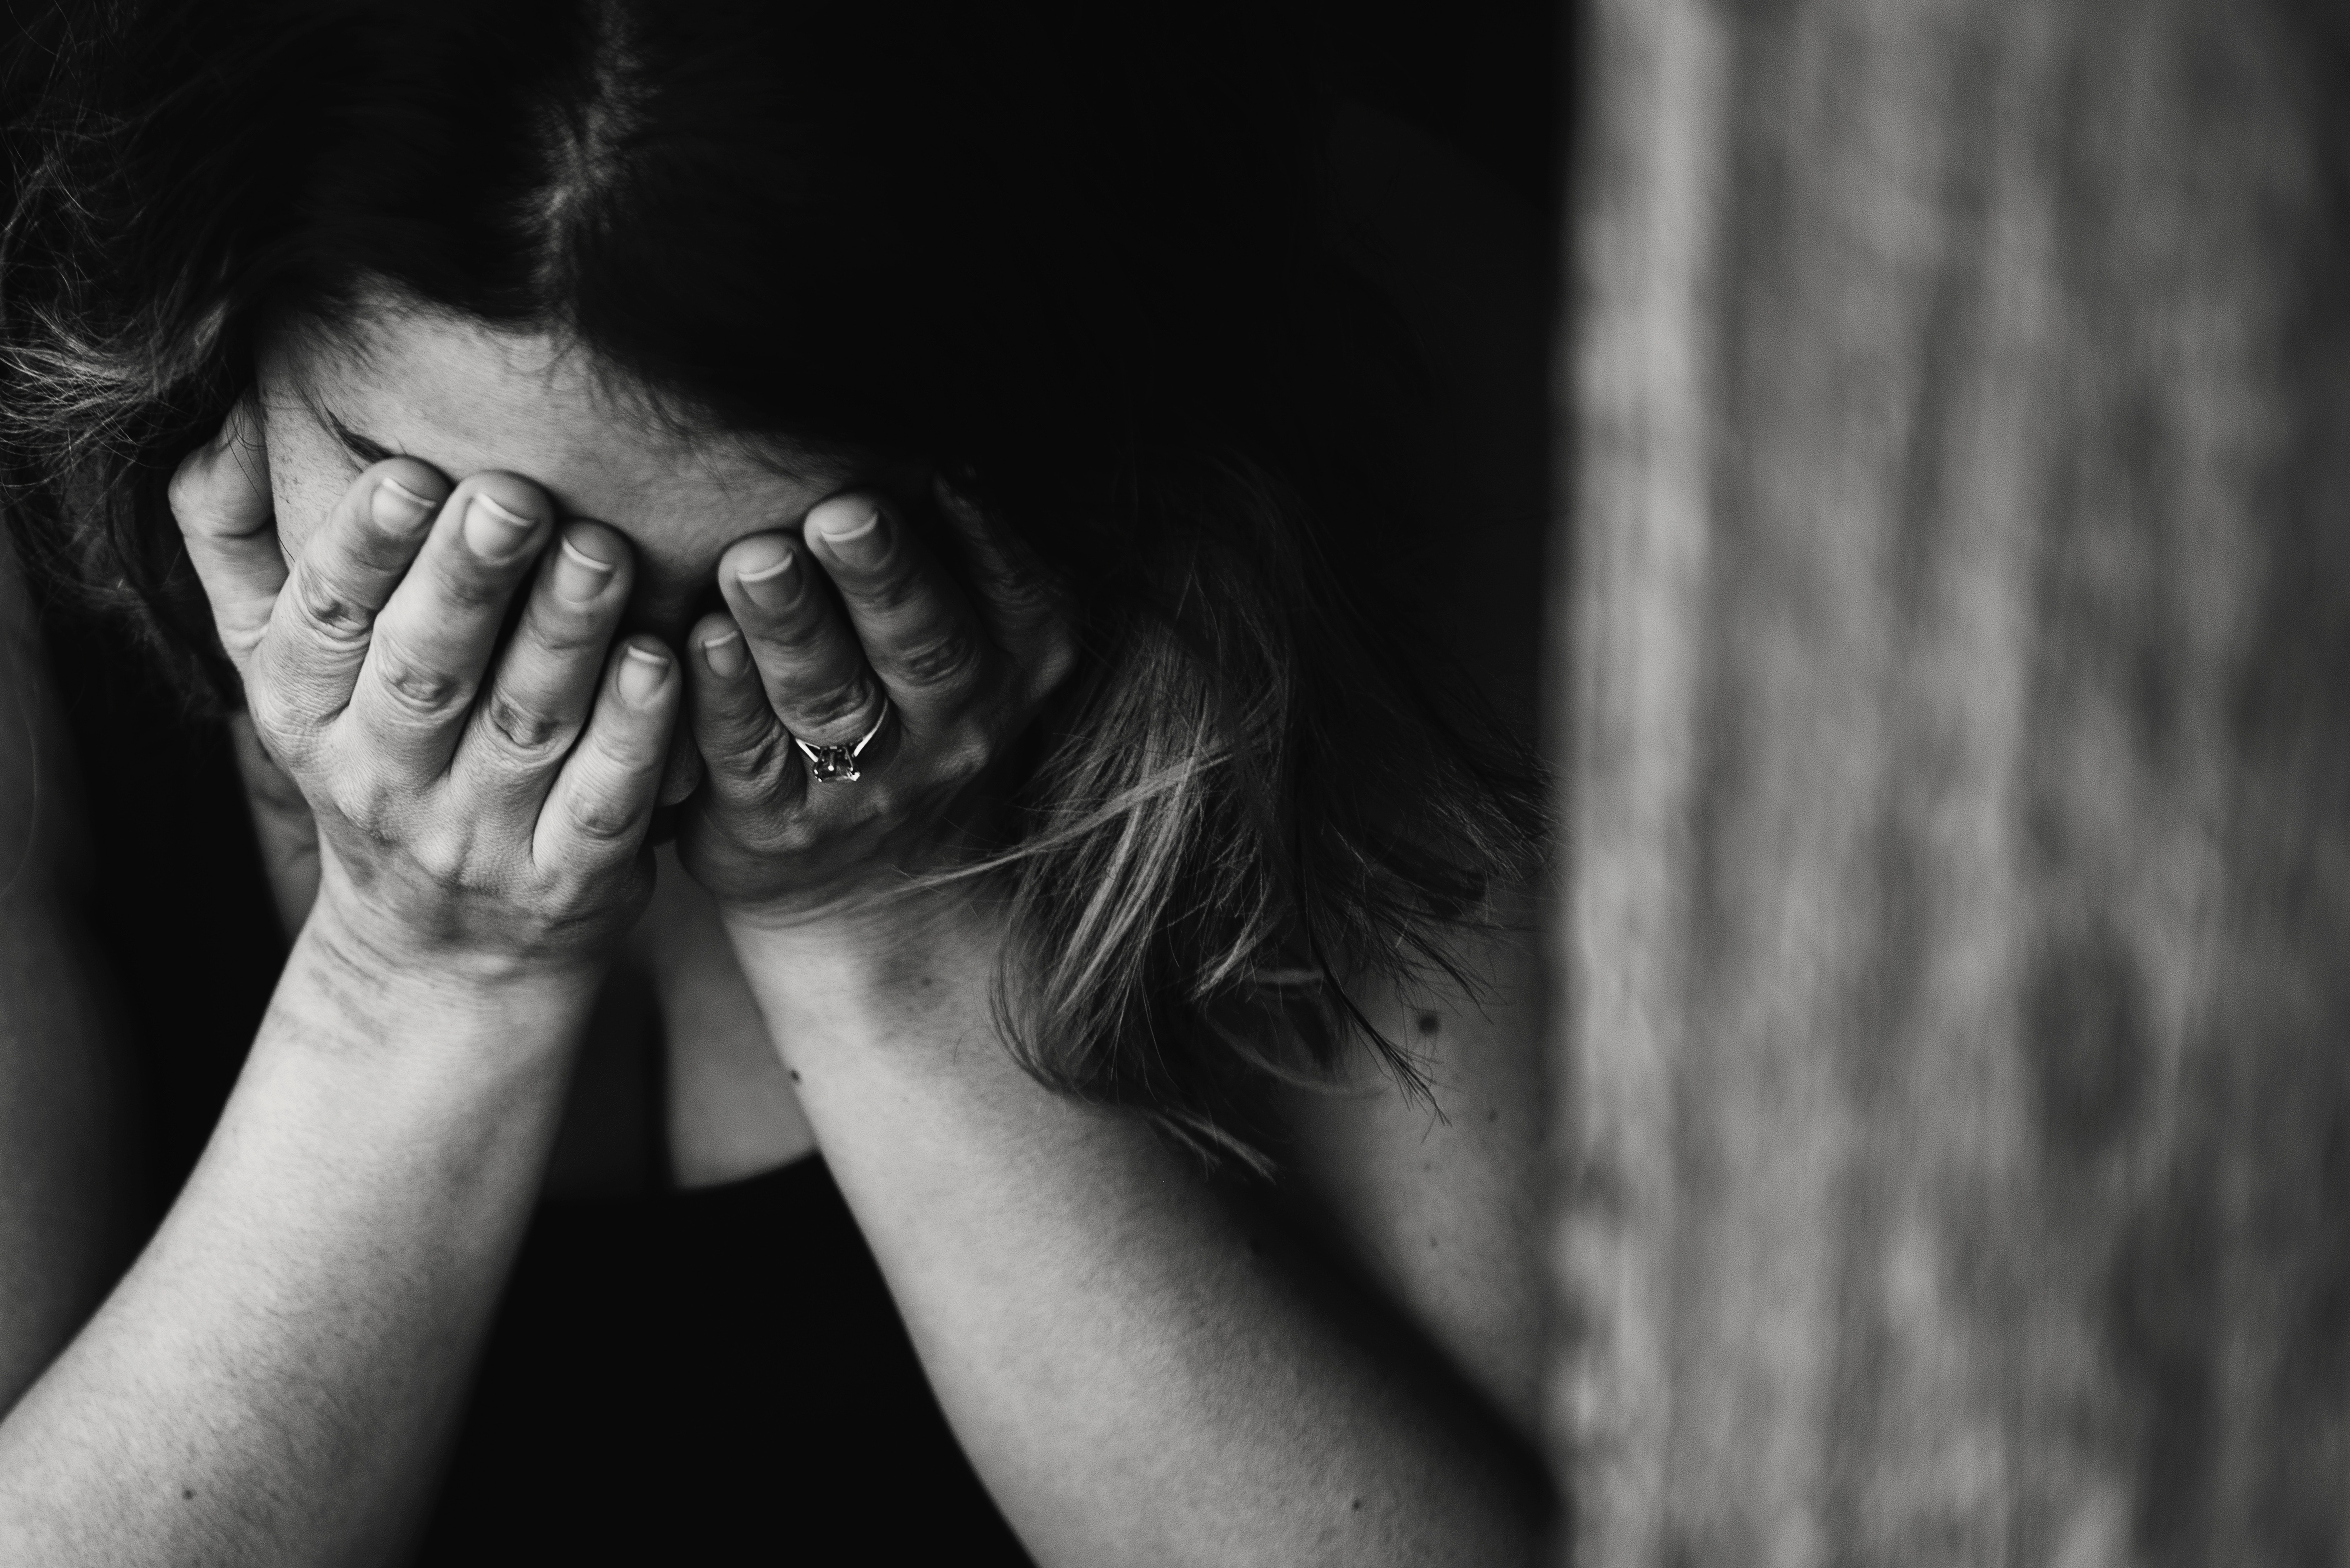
pixel 492 532
pixel 396 508
pixel 725 653
pixel 772 585
pixel 642 671
pixel 579 575
pixel 854 533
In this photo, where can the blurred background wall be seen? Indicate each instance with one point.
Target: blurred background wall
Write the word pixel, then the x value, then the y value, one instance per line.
pixel 1953 685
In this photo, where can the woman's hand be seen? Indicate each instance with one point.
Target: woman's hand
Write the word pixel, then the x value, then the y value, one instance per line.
pixel 478 804
pixel 891 643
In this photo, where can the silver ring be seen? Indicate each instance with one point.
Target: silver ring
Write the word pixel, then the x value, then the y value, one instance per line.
pixel 838 765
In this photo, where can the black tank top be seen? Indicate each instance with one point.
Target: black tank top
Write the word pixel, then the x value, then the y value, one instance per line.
pixel 717 1375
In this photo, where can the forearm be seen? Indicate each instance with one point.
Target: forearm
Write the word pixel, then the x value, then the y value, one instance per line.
pixel 271 1381
pixel 1140 1373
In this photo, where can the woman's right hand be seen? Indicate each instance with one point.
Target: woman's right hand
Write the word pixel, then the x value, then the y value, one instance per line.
pixel 482 806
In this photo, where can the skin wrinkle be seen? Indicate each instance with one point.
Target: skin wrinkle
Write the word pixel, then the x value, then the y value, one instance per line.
pixel 385 313
pixel 1002 1166
pixel 402 379
pixel 421 384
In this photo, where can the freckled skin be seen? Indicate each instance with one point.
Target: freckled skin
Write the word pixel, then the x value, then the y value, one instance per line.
pixel 465 399
pixel 1138 1372
pixel 972 1183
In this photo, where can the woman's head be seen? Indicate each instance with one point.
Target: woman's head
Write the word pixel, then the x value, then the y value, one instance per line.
pixel 693 263
pixel 1016 237
pixel 398 377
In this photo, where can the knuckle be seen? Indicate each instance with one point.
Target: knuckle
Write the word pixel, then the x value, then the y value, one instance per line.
pixel 331 611
pixel 364 798
pixel 945 656
pixel 601 815
pixel 528 733
pixel 757 755
pixel 838 706
pixel 796 835
pixel 415 685
pixel 440 855
pixel 1020 596
pixel 964 754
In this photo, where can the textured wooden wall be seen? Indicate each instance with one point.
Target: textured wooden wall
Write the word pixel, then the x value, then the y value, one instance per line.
pixel 1956 961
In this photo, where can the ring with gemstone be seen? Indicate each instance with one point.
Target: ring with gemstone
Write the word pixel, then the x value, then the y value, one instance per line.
pixel 838 765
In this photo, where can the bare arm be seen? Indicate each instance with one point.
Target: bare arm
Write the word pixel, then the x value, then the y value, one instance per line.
pixel 65 1189
pixel 1437 1203
pixel 1144 1367
pixel 272 1380
pixel 1143 1370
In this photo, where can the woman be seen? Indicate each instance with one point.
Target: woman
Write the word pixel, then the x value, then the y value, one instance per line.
pixel 928 462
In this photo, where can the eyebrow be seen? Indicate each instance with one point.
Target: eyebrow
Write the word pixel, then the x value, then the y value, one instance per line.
pixel 365 448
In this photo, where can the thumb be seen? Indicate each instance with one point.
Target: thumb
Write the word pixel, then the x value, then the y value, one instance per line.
pixel 219 497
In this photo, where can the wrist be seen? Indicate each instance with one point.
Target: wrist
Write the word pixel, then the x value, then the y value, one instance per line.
pixel 872 940
pixel 365 987
pixel 887 974
pixel 443 947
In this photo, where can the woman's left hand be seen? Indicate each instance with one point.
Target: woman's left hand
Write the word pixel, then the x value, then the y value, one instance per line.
pixel 893 642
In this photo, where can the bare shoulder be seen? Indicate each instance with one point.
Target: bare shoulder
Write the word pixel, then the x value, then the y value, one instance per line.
pixel 1437 1200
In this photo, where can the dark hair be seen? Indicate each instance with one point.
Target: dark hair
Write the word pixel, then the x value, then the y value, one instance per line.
pixel 1075 251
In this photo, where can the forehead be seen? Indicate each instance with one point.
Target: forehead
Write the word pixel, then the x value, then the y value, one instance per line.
pixel 466 398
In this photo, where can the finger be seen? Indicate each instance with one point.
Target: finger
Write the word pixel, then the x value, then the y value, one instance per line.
pixel 815 675
pixel 683 775
pixel 603 798
pixel 219 497
pixel 918 633
pixel 536 701
pixel 303 670
pixel 434 641
pixel 1016 595
pixel 747 754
